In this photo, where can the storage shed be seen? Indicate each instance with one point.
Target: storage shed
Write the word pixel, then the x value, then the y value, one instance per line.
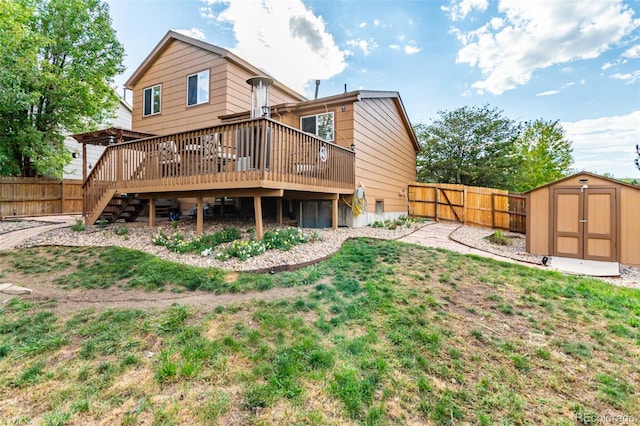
pixel 585 216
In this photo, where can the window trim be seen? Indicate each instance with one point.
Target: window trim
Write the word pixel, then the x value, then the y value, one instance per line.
pixel 144 99
pixel 197 74
pixel 333 133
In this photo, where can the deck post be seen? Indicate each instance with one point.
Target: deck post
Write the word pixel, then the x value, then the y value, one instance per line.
pixel 334 213
pixel 257 207
pixel 200 216
pixel 152 212
pixel 279 211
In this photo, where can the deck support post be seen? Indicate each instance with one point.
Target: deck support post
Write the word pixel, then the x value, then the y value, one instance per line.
pixel 279 211
pixel 257 207
pixel 200 216
pixel 334 213
pixel 152 212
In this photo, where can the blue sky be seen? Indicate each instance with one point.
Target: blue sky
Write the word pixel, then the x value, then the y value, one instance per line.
pixel 573 61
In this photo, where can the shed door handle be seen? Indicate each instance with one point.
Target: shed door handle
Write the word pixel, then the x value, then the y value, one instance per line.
pixel 583 221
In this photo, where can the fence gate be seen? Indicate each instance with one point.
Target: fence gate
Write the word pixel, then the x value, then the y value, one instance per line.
pixel 584 223
pixel 488 207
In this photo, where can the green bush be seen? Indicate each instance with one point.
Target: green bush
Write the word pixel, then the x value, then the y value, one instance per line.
pixel 283 239
pixel 78 226
pixel 499 238
pixel 178 244
pixel 121 230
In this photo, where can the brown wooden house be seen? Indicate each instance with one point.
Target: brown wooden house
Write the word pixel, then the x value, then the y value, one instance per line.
pixel 226 131
pixel 585 216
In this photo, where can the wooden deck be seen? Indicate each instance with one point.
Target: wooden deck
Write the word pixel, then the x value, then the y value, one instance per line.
pixel 249 157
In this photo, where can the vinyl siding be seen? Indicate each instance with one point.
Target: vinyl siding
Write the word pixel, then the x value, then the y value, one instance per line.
pixel 228 91
pixel 74 169
pixel 385 157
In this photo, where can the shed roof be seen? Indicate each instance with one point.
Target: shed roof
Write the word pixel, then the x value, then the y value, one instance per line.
pixel 615 181
pixel 172 35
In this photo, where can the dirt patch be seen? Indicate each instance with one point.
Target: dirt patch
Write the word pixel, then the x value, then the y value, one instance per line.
pixel 65 302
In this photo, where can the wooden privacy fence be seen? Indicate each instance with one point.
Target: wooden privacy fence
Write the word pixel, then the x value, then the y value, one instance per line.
pixel 39 196
pixel 472 205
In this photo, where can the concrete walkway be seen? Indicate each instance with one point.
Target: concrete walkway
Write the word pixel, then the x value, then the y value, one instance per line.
pixel 437 236
pixel 13 239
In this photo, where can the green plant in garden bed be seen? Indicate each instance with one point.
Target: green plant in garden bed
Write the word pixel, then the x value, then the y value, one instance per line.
pixel 498 238
pixel 284 239
pixel 178 244
pixel 78 226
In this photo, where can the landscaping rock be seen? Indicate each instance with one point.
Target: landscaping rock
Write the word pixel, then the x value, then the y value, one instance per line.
pixel 14 290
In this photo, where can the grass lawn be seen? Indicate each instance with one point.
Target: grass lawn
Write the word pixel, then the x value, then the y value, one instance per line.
pixel 390 333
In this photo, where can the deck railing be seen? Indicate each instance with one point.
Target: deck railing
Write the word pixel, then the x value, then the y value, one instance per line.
pixel 252 153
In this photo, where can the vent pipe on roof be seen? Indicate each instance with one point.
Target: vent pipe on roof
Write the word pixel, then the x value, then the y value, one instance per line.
pixel 260 96
pixel 345 88
pixel 317 87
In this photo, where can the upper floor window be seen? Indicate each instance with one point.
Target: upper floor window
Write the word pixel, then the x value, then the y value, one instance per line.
pixel 198 88
pixel 151 100
pixel 319 124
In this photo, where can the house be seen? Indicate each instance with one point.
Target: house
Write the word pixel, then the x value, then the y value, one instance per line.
pixel 585 216
pixel 74 170
pixel 224 129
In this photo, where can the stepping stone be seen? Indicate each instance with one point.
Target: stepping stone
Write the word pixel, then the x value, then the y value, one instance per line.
pixel 8 288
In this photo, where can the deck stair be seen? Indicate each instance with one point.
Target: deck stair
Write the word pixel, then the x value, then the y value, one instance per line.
pixel 124 206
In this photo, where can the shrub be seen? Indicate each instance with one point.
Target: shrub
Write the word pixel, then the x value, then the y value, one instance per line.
pixel 121 230
pixel 78 226
pixel 499 238
pixel 283 239
pixel 178 244
pixel 246 249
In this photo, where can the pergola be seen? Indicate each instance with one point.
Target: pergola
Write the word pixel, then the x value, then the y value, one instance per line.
pixel 105 137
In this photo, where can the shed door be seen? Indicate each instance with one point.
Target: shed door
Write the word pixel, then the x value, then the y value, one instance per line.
pixel 584 225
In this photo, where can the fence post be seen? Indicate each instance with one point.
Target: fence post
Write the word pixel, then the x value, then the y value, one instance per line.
pixel 493 211
pixel 437 203
pixel 464 205
pixel 62 197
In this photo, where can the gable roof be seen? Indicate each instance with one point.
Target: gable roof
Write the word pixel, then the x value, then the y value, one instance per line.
pixel 615 181
pixel 172 35
pixel 358 95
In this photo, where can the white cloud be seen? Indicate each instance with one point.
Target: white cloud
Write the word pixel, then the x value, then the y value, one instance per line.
pixel 193 33
pixel 394 46
pixel 365 45
pixel 606 66
pixel 376 22
pixel 536 35
pixel 628 78
pixel 460 9
pixel 632 52
pixel 605 144
pixel 410 49
pixel 548 93
pixel 284 37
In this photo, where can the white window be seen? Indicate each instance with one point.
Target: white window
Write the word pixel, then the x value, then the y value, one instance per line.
pixel 319 124
pixel 198 88
pixel 151 100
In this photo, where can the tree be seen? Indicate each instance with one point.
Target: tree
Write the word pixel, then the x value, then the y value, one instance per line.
pixel 58 59
pixel 544 153
pixel 469 146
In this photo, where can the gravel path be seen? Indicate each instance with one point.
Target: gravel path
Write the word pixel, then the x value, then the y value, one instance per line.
pixel 7 226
